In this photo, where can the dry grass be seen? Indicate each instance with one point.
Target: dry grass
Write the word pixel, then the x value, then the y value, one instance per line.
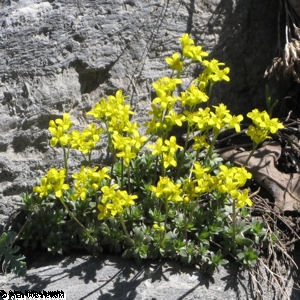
pixel 276 268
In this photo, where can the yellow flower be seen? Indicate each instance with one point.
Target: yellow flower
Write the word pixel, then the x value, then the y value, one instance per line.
pixel 52 182
pixel 86 140
pixel 158 147
pixel 59 130
pixel 114 201
pixel 158 227
pixel 199 119
pixel 103 211
pixel 128 146
pixel 190 50
pixel 193 96
pixel 170 150
pixel 263 125
pixel 115 113
pixel 196 53
pixel 186 40
pixel 165 101
pixel 155 125
pixel 242 198
pixel 88 180
pixel 167 190
pixel 231 178
pixel 173 118
pixel 214 72
pixel 165 86
pixel 257 135
pixel 65 122
pixel 175 62
pixel 200 142
pixel 204 182
pixel 235 122
pixel 171 145
pixel 167 149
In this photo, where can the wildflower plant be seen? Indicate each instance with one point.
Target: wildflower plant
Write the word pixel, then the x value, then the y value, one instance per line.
pixel 159 198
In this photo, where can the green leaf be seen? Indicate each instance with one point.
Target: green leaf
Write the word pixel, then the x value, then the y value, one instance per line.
pixel 242 241
pixel 8 254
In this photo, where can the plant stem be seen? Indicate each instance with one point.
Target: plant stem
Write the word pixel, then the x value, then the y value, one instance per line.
pixel 233 223
pixel 211 149
pixel 166 215
pixel 113 153
pixel 163 169
pixel 250 154
pixel 210 89
pixel 128 180
pixel 122 172
pixel 64 204
pixel 90 158
pixel 66 157
pixel 22 228
pixel 125 229
pixel 185 225
pixel 187 138
pixel 112 165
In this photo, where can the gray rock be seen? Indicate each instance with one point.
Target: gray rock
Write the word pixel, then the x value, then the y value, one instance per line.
pixel 113 278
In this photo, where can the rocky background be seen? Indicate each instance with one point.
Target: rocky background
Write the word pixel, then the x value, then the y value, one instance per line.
pixel 62 55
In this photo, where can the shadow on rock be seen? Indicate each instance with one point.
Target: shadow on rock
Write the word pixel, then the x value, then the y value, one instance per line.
pixel 247 45
pixel 85 277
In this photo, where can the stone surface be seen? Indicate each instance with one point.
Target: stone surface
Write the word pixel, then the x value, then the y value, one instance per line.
pixel 113 278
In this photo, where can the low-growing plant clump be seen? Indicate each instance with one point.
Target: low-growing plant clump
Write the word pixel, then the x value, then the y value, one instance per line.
pixel 157 198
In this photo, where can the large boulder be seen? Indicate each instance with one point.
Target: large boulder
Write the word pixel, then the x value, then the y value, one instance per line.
pixel 62 55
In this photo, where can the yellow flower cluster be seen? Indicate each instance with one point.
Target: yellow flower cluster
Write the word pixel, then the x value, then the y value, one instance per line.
pixel 86 140
pixel 114 113
pixel 52 182
pixel 204 182
pixel 59 129
pixel 229 180
pixel 217 120
pixel 128 146
pixel 213 71
pixel 262 126
pixel 167 190
pixel 62 135
pixel 190 50
pixel 193 96
pixel 114 201
pixel 164 114
pixel 167 150
pixel 88 181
